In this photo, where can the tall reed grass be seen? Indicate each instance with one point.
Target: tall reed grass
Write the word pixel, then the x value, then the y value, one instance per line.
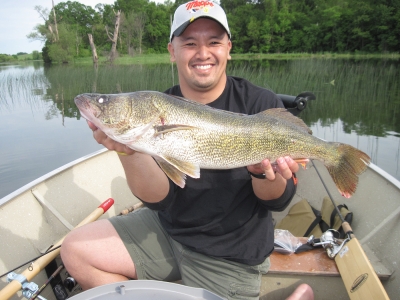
pixel 361 93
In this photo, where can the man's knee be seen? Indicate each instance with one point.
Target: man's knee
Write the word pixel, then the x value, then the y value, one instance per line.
pixel 302 292
pixel 70 250
pixel 76 248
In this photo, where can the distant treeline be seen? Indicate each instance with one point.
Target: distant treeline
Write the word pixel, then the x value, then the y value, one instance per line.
pixel 264 26
pixel 20 56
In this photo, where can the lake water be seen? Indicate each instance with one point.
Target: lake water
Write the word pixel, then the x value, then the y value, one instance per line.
pixel 358 103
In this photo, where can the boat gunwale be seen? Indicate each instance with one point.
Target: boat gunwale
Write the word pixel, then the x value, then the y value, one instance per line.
pixel 48 175
pixel 385 175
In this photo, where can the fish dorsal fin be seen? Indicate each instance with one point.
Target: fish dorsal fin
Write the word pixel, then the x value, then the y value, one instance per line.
pixel 284 114
pixel 177 170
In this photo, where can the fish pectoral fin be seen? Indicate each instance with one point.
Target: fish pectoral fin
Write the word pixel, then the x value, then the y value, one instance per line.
pixel 127 137
pixel 177 170
pixel 169 128
pixel 131 135
pixel 284 114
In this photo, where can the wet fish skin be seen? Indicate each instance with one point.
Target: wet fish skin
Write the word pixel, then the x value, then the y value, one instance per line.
pixel 185 136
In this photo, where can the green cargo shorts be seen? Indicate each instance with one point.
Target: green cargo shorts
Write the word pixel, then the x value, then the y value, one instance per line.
pixel 158 257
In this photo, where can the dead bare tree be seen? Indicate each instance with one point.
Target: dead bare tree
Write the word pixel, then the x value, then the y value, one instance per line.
pixel 114 37
pixel 55 21
pixel 138 27
pixel 94 51
pixel 44 31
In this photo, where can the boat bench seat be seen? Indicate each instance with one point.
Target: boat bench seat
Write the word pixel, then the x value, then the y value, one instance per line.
pixel 313 262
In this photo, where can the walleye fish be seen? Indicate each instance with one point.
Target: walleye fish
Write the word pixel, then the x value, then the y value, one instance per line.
pixel 184 136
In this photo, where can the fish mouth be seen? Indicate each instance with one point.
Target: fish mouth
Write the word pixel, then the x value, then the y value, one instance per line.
pixel 86 107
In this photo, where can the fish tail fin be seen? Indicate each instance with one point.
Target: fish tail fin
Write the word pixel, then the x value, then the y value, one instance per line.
pixel 346 169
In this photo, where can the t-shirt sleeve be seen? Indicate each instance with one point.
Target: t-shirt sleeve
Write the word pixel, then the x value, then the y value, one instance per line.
pixel 166 202
pixel 264 99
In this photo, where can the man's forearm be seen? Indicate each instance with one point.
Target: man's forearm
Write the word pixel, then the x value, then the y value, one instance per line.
pixel 269 190
pixel 144 177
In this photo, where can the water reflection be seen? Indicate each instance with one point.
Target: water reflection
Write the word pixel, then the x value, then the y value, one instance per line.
pixel 358 103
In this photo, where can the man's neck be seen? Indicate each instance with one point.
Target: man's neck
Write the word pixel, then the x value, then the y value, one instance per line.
pixel 204 96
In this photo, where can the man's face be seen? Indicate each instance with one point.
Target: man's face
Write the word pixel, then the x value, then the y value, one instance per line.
pixel 201 53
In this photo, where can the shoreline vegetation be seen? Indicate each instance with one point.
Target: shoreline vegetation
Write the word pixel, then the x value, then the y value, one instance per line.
pixel 164 57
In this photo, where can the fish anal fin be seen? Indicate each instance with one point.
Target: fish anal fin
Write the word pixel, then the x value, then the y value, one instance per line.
pixel 284 114
pixel 173 173
pixel 188 168
pixel 177 170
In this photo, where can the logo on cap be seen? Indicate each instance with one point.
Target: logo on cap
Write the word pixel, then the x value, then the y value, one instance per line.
pixel 194 6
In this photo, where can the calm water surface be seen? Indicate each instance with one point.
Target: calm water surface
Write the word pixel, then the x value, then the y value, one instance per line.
pixel 358 103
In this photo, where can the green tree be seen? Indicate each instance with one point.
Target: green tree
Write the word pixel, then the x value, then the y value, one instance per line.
pixel 128 6
pixel 72 12
pixel 386 19
pixel 157 28
pixel 63 50
pixel 331 17
pixel 256 26
pixel 282 27
pixel 238 17
pixel 36 55
pixel 361 36
pixel 6 58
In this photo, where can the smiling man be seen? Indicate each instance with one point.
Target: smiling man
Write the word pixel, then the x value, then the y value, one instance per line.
pixel 216 232
pixel 201 53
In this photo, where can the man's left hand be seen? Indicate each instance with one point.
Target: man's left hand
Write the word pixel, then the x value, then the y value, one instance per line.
pixel 285 166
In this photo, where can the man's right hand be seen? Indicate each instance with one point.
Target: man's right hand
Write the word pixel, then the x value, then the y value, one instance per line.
pixel 141 171
pixel 107 142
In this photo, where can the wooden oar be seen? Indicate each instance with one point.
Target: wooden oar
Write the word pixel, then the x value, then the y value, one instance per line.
pixel 358 275
pixel 14 286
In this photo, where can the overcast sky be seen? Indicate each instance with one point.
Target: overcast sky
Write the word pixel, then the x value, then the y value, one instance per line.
pixel 18 18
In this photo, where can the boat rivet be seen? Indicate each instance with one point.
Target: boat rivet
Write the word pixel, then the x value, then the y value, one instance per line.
pixel 122 289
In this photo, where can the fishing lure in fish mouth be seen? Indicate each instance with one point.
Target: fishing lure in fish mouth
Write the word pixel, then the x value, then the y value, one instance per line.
pixel 184 136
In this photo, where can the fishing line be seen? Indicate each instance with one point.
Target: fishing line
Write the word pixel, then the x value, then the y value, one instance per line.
pixel 47 252
pixel 329 194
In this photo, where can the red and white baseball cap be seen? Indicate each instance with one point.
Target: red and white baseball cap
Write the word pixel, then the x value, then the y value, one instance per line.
pixel 186 13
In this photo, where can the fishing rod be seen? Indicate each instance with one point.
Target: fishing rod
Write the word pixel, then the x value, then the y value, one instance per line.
pixel 123 212
pixel 348 232
pixel 22 281
pixel 56 272
pixel 358 275
pixel 29 261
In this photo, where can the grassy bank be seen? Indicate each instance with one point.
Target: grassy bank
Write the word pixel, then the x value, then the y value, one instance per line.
pixel 164 58
pixel 316 55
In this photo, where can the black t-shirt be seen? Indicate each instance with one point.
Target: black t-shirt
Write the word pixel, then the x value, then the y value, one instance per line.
pixel 219 214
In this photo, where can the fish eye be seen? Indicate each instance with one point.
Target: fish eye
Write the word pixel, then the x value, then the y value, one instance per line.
pixel 102 99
